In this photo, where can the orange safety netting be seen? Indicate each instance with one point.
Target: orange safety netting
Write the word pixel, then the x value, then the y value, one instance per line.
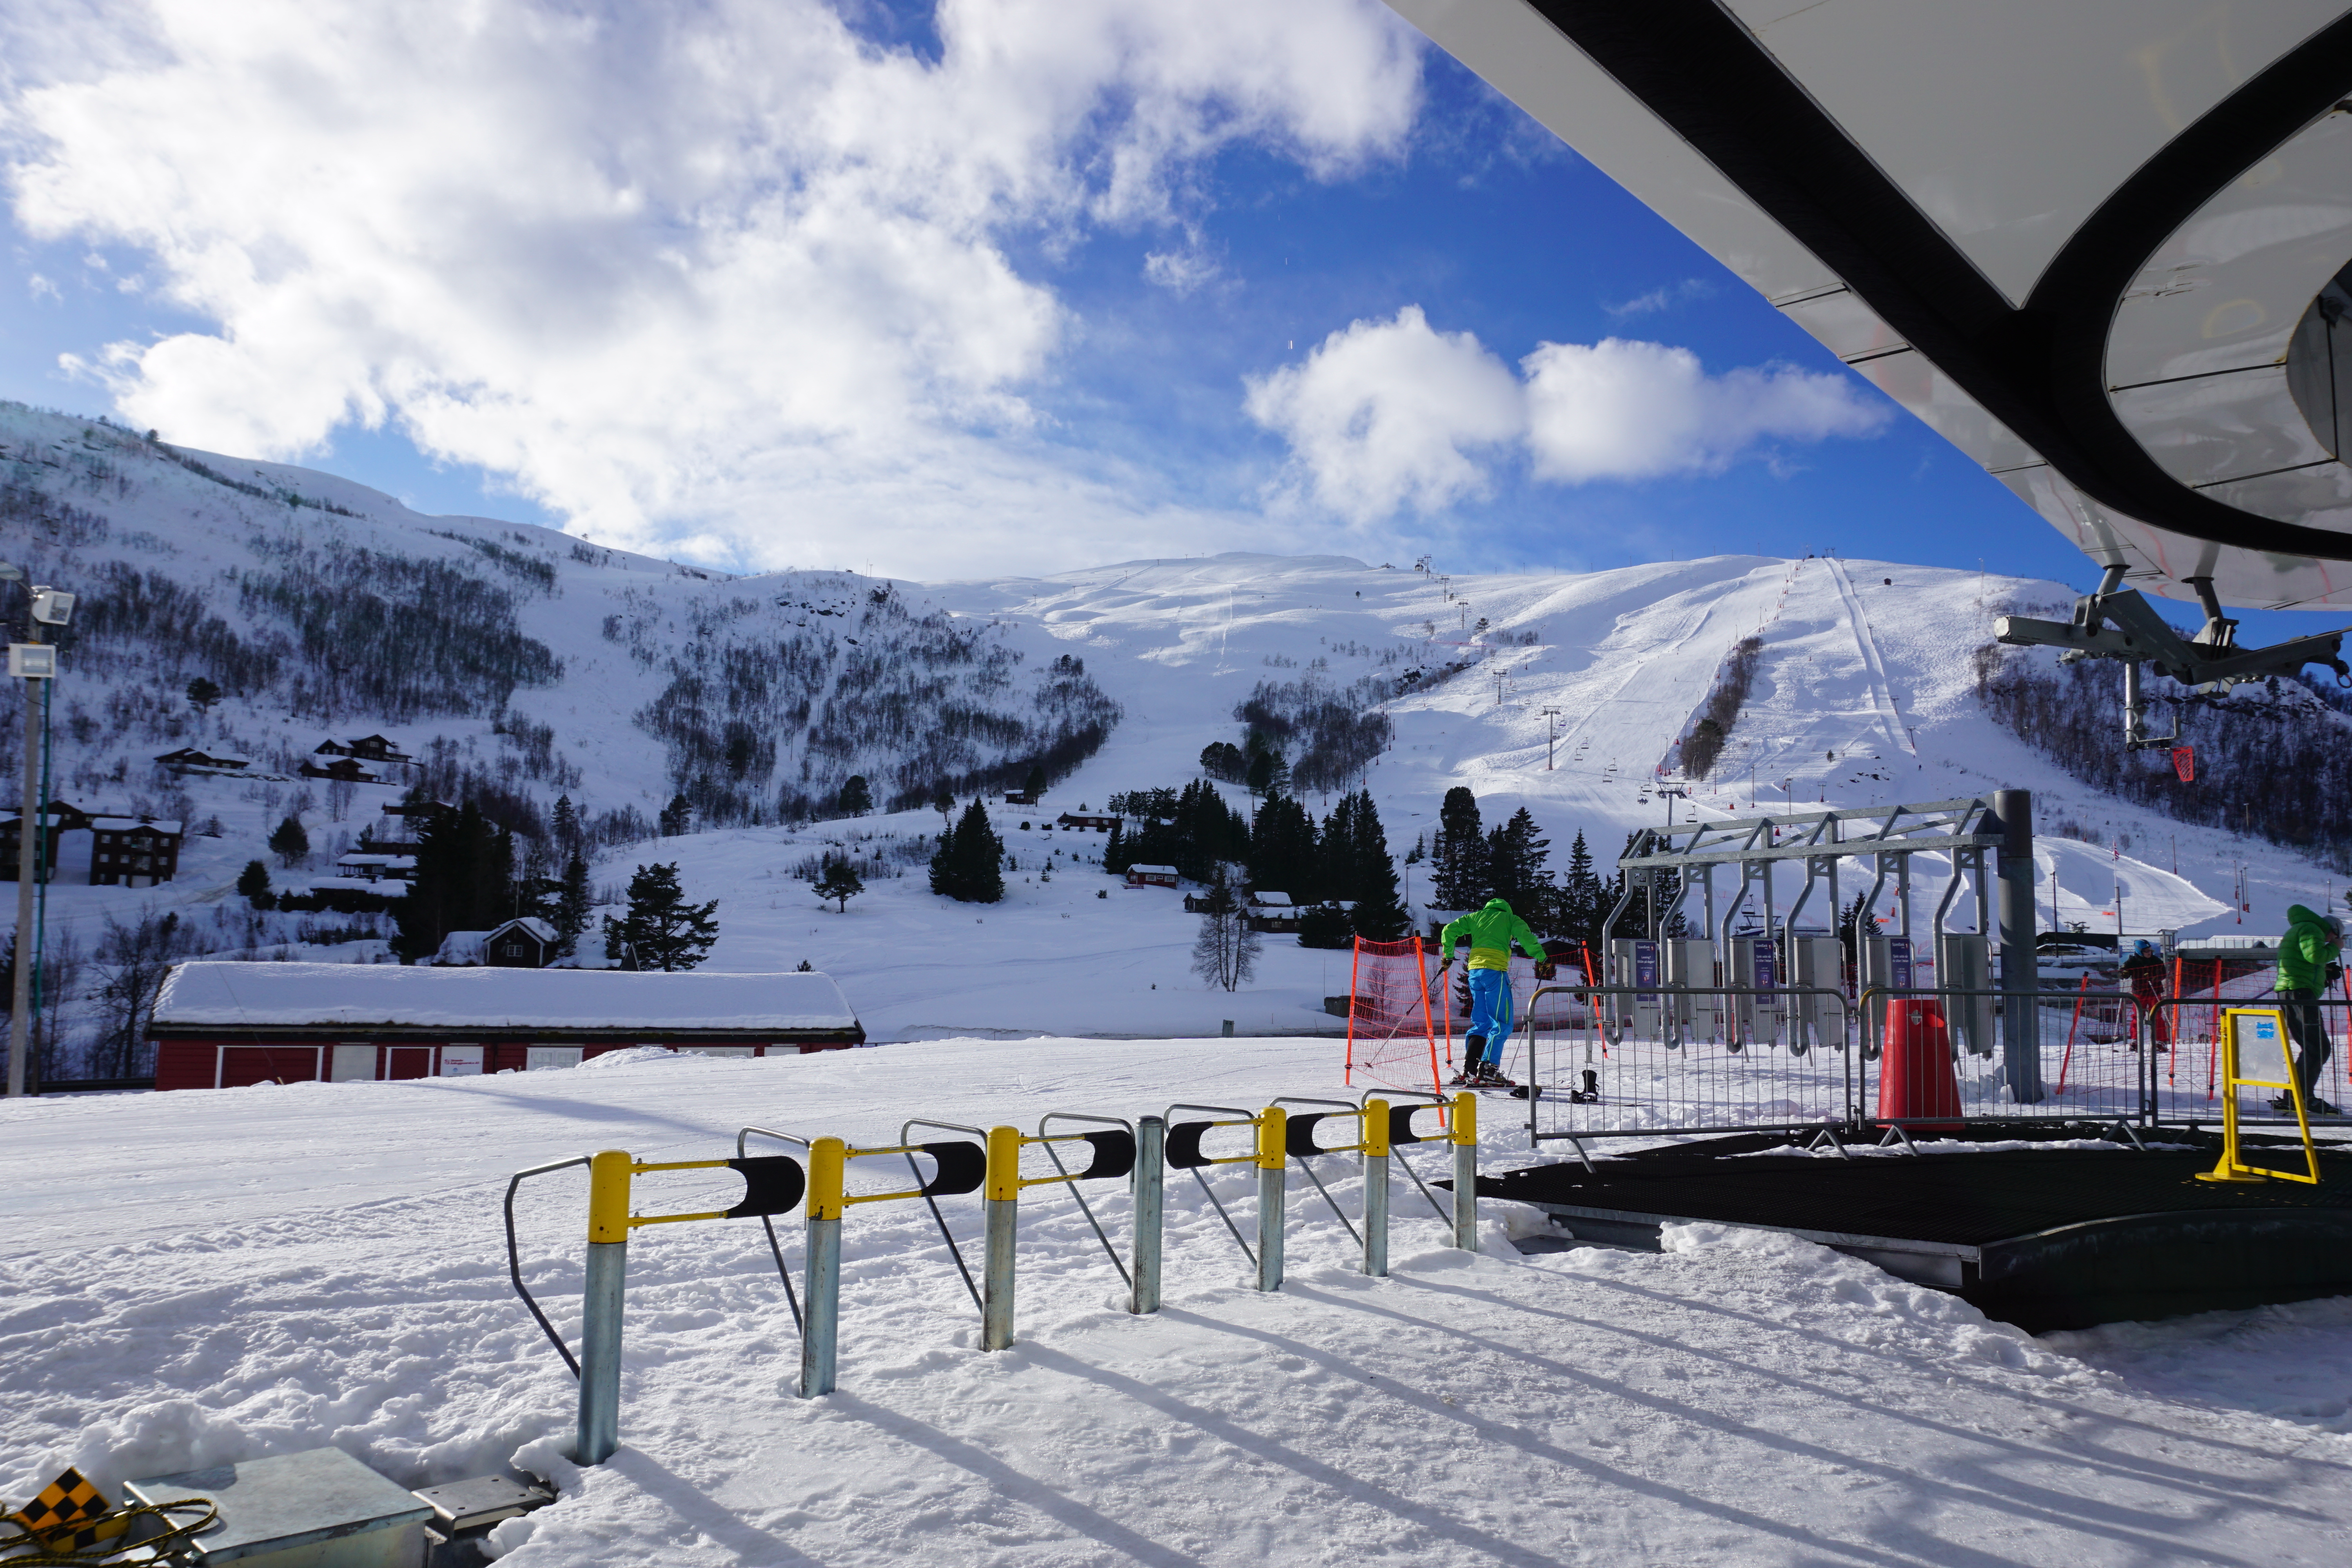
pixel 1391 1033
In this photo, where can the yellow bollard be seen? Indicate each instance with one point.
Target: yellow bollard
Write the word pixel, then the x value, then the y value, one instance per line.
pixel 1273 1167
pixel 1464 1138
pixel 1003 1209
pixel 821 1336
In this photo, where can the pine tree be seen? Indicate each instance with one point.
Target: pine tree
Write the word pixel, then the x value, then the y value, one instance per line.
pixel 1379 914
pixel 573 906
pixel 1459 856
pixel 564 824
pixel 676 816
pixel 839 881
pixel 1282 849
pixel 253 885
pixel 1579 907
pixel 203 694
pixel 288 842
pixel 661 929
pixel 857 797
pixel 968 865
pixel 464 881
pixel 1517 868
pixel 1035 785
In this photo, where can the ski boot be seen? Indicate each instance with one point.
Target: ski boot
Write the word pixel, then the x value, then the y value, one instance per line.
pixel 1591 1093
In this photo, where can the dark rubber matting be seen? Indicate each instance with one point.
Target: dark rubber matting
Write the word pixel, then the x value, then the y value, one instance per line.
pixel 2045 1238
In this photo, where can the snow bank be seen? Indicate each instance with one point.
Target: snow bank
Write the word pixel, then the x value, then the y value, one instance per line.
pixel 340 994
pixel 223 1273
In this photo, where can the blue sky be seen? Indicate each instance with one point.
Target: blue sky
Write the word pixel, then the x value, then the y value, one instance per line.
pixel 1028 390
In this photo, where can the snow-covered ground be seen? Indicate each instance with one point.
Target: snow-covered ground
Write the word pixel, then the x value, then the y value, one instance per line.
pixel 205 1276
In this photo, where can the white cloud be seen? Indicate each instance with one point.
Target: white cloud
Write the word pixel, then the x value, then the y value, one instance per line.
pixel 1389 414
pixel 1621 410
pixel 1386 415
pixel 728 272
pixel 1664 297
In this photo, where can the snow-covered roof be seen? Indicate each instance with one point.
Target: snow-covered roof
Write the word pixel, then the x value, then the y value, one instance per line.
pixel 125 824
pixel 461 947
pixel 396 862
pixel 1271 900
pixel 1152 871
pixel 532 923
pixel 216 994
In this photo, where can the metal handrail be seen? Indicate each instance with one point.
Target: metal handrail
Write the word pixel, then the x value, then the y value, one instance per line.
pixel 775 1249
pixel 933 1204
pixel 514 1257
pixel 1084 1207
pixel 1248 1118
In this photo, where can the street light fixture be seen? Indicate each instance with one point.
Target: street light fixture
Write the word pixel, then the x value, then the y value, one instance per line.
pixel 32 661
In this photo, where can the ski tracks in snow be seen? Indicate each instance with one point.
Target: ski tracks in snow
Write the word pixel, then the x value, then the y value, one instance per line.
pixel 1882 694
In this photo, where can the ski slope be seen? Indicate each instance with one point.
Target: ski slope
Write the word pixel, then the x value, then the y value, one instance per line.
pixel 1863 697
pixel 196 1278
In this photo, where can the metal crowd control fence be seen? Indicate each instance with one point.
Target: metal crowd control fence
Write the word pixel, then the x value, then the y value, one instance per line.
pixel 2185 1086
pixel 1647 1061
pixel 1138 1151
pixel 1644 1061
pixel 772 1184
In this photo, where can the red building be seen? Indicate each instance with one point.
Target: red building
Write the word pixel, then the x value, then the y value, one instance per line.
pixel 223 1026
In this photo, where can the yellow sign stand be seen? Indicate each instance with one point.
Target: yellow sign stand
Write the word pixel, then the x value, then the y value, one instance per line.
pixel 2254 1042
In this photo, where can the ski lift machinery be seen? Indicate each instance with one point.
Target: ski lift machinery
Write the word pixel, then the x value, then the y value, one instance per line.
pixel 2102 246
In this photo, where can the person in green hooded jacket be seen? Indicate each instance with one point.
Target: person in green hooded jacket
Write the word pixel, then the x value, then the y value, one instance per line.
pixel 1490 933
pixel 2309 963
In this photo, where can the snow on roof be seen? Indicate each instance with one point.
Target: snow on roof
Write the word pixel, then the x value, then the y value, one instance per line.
pixel 216 994
pixel 532 923
pixel 1153 870
pixel 1271 900
pixel 125 824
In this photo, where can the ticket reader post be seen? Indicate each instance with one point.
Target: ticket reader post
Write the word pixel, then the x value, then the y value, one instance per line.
pixel 1885 966
pixel 1695 1006
pixel 1634 962
pixel 1755 969
pixel 1964 974
pixel 1818 1019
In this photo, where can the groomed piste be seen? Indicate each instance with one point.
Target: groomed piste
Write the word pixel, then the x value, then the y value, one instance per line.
pixel 216 1275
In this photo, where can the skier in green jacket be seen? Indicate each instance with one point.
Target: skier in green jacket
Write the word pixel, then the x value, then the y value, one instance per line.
pixel 2309 963
pixel 1490 933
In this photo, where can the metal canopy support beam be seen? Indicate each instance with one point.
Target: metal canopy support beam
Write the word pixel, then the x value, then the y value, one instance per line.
pixel 2019 961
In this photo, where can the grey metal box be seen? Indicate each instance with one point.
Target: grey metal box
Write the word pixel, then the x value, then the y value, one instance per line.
pixel 319 1509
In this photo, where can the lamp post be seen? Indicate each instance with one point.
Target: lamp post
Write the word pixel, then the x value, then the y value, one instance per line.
pixel 31 661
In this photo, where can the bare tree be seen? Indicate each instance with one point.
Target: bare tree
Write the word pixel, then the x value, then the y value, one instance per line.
pixel 132 962
pixel 1225 952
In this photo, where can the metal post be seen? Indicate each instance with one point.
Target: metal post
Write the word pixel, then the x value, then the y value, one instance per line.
pixel 2021 1054
pixel 1273 1166
pixel 1003 1205
pixel 1903 896
pixel 20 1010
pixel 1464 1135
pixel 1376 1186
pixel 821 1331
pixel 600 1312
pixel 1149 1179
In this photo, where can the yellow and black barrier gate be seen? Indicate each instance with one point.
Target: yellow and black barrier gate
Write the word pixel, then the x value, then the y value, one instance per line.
pixel 772 1184
pixel 1139 1153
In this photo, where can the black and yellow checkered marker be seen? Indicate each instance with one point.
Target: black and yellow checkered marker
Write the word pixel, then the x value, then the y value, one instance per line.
pixel 69 1515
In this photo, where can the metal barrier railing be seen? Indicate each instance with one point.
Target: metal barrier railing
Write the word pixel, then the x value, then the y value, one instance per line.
pixel 2186 1034
pixel 1138 1151
pixel 1628 1061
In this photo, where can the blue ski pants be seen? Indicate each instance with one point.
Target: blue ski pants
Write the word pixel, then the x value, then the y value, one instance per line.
pixel 1490 1013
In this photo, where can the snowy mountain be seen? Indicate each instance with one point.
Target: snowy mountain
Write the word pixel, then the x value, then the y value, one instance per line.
pixel 516 664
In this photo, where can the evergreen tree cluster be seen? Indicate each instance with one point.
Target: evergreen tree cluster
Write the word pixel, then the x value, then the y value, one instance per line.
pixel 464 880
pixel 1346 859
pixel 1703 745
pixel 968 865
pixel 1199 834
